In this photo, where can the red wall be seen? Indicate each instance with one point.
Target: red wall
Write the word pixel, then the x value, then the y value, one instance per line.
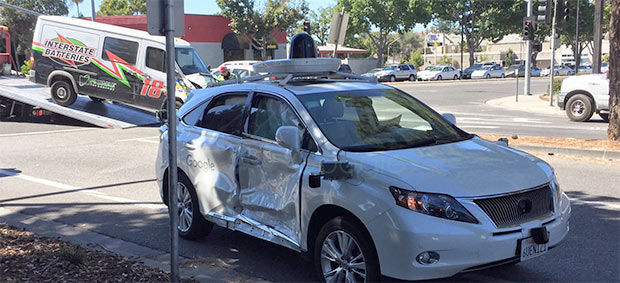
pixel 198 28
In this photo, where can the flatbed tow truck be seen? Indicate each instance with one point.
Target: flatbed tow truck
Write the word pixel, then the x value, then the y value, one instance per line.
pixel 21 98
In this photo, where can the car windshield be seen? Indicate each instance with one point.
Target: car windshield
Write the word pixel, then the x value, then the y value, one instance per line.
pixel 375 120
pixel 435 68
pixel 486 67
pixel 189 61
pixel 387 68
pixel 476 66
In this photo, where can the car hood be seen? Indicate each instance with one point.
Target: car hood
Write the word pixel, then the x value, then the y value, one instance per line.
pixel 468 168
pixel 428 73
pixel 479 72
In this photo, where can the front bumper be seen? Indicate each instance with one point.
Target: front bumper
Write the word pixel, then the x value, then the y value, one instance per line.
pixel 561 97
pixel 400 235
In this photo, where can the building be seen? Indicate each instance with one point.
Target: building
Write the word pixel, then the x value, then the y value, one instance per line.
pixel 212 37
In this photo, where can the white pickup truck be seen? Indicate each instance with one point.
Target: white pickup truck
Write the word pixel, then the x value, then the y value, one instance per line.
pixel 582 96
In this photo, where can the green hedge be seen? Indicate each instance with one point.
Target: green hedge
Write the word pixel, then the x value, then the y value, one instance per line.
pixel 557 84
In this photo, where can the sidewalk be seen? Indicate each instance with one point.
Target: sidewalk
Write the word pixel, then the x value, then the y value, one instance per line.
pixel 527 103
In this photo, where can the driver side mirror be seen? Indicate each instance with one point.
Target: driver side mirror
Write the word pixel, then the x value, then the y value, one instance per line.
pixel 450 117
pixel 288 137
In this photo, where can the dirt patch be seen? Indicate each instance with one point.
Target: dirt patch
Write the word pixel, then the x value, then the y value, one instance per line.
pixel 558 142
pixel 27 257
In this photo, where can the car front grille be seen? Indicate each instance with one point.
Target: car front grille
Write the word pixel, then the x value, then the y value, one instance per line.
pixel 517 208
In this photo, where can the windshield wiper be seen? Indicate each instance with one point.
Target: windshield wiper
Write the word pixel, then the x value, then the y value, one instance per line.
pixel 444 141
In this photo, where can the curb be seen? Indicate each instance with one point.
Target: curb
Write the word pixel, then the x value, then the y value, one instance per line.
pixel 592 153
pixel 454 81
pixel 154 258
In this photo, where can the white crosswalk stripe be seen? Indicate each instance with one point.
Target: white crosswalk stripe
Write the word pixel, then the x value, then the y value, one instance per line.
pixel 492 121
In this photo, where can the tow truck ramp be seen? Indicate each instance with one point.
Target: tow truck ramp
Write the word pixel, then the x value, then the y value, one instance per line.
pixel 102 114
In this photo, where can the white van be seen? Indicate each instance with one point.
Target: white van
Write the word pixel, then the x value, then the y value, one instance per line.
pixel 78 57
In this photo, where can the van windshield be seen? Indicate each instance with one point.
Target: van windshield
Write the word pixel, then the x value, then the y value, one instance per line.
pixel 189 61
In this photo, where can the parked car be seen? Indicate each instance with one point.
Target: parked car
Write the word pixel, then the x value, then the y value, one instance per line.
pixel 372 72
pixel 439 73
pixel 394 73
pixel 558 70
pixel 582 96
pixel 585 69
pixel 604 67
pixel 534 71
pixel 487 72
pixel 468 71
pixel 105 62
pixel 362 177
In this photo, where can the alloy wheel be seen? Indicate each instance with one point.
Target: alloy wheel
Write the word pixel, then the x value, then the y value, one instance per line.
pixel 185 209
pixel 577 108
pixel 342 259
pixel 61 92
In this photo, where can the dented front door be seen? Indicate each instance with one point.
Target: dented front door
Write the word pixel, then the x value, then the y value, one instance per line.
pixel 268 174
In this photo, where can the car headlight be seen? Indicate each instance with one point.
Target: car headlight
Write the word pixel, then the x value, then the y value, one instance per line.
pixel 437 205
pixel 555 186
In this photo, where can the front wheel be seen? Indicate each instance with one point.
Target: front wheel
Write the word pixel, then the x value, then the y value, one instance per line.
pixel 439 78
pixel 579 108
pixel 456 77
pixel 503 76
pixel 411 78
pixel 62 93
pixel 392 78
pixel 487 76
pixel 192 224
pixel 343 252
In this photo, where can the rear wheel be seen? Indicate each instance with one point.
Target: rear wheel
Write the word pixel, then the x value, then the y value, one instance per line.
pixel 192 224
pixel 411 78
pixel 343 252
pixel 456 77
pixel 579 108
pixel 62 93
pixel 604 116
pixel 503 76
pixel 439 78
pixel 488 76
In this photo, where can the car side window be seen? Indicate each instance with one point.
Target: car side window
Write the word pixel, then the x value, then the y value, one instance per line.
pixel 155 59
pixel 124 49
pixel 404 67
pixel 268 114
pixel 224 114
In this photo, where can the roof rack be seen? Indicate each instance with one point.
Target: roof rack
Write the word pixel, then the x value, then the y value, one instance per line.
pixel 285 78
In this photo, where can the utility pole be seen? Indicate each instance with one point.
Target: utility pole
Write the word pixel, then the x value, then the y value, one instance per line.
pixel 598 31
pixel 462 44
pixel 578 53
pixel 528 56
pixel 551 67
pixel 92 9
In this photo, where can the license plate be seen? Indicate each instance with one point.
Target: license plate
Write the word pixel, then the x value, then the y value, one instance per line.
pixel 529 249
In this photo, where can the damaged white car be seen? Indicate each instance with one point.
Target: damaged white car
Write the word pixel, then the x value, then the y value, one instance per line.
pixel 361 176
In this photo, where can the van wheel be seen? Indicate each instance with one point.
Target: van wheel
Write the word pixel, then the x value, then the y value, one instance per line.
pixel 343 252
pixel 96 99
pixel 192 224
pixel 62 93
pixel 579 108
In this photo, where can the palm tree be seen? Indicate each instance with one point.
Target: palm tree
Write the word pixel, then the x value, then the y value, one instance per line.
pixel 77 4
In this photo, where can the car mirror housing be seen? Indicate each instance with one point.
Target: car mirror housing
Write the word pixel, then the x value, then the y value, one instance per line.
pixel 450 118
pixel 288 137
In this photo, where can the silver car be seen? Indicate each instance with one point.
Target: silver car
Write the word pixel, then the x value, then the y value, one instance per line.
pixel 394 73
pixel 487 72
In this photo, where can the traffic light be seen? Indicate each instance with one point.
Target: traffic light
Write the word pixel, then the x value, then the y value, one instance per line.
pixel 307 28
pixel 544 11
pixel 528 29
pixel 565 12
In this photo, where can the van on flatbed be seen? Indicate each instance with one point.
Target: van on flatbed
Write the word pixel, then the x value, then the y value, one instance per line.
pixel 106 62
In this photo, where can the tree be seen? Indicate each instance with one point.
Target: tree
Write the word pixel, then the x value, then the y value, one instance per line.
pixel 481 19
pixel 444 60
pixel 375 19
pixel 319 23
pixel 21 25
pixel 586 27
pixel 416 58
pixel 77 4
pixel 510 57
pixel 613 132
pixel 258 24
pixel 122 7
pixel 405 43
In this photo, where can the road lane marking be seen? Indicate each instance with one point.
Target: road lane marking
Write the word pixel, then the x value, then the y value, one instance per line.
pixel 45 132
pixel 143 139
pixel 66 187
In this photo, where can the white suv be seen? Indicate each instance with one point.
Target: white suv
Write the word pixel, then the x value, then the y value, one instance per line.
pixel 582 96
pixel 364 178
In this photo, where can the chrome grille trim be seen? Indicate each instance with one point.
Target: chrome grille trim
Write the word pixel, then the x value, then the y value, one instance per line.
pixel 504 210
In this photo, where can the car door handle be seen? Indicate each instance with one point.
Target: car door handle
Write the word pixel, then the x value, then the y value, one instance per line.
pixel 190 146
pixel 251 160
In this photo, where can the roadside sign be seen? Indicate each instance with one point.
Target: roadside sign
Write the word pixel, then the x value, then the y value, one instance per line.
pixel 434 39
pixel 155 17
pixel 339 23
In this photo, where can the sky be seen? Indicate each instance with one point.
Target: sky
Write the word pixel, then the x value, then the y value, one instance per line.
pixel 201 7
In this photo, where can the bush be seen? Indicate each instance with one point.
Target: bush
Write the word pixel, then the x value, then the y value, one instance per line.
pixel 444 60
pixel 605 58
pixel 415 58
pixel 25 69
pixel 557 84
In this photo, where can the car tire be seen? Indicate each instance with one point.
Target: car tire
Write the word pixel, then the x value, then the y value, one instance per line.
pixel 329 258
pixel 557 74
pixel 62 93
pixel 411 78
pixel 96 99
pixel 439 78
pixel 488 76
pixel 604 116
pixel 456 77
pixel 579 108
pixel 392 78
pixel 503 76
pixel 192 225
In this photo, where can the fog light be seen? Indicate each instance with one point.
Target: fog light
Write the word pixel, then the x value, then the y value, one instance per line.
pixel 427 258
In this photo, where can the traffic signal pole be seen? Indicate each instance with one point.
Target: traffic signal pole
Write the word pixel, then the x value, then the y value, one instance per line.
pixel 528 51
pixel 551 67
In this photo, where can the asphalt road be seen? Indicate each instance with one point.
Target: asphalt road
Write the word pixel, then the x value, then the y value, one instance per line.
pixel 466 100
pixel 103 181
